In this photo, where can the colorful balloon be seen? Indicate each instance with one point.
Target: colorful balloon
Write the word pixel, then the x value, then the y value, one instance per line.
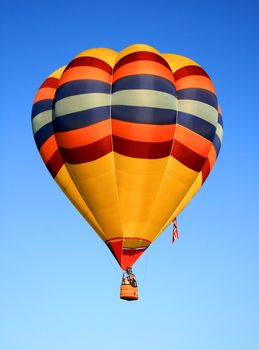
pixel 130 138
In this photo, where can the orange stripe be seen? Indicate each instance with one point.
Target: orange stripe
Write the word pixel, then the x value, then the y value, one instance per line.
pixel 195 81
pixel 44 93
pixel 143 67
pixel 142 132
pixel 77 73
pixel 84 136
pixel 48 148
pixel 193 141
pixel 212 157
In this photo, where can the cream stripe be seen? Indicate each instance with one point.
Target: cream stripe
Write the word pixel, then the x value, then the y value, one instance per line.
pixel 219 132
pixel 199 109
pixel 81 102
pixel 41 119
pixel 144 98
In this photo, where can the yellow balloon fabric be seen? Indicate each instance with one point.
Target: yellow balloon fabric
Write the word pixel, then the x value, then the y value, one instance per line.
pixel 130 138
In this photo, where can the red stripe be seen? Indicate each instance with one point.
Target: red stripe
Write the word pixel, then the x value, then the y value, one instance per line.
pixel 134 149
pixel 90 61
pixel 205 170
pixel 125 238
pixel 55 163
pixel 138 149
pixel 87 153
pixel 187 157
pixel 50 82
pixel 141 55
pixel 189 70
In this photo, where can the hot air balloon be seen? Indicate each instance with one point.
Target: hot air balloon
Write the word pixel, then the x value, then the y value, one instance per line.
pixel 130 137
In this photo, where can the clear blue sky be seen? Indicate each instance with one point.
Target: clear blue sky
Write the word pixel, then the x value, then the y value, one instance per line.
pixel 58 284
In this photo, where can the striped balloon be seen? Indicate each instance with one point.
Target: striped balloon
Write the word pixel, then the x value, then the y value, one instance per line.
pixel 130 137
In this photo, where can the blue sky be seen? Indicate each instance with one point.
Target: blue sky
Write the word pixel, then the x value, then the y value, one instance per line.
pixel 59 285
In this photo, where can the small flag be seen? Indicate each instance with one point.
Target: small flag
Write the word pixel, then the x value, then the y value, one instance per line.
pixel 175 231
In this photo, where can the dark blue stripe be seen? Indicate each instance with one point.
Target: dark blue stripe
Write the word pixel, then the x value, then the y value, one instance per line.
pixel 220 120
pixel 83 86
pixel 144 81
pixel 197 125
pixel 43 134
pixel 144 115
pixel 198 95
pixel 81 119
pixel 41 106
pixel 217 144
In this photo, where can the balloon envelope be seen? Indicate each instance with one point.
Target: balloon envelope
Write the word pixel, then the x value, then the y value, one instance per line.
pixel 130 137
